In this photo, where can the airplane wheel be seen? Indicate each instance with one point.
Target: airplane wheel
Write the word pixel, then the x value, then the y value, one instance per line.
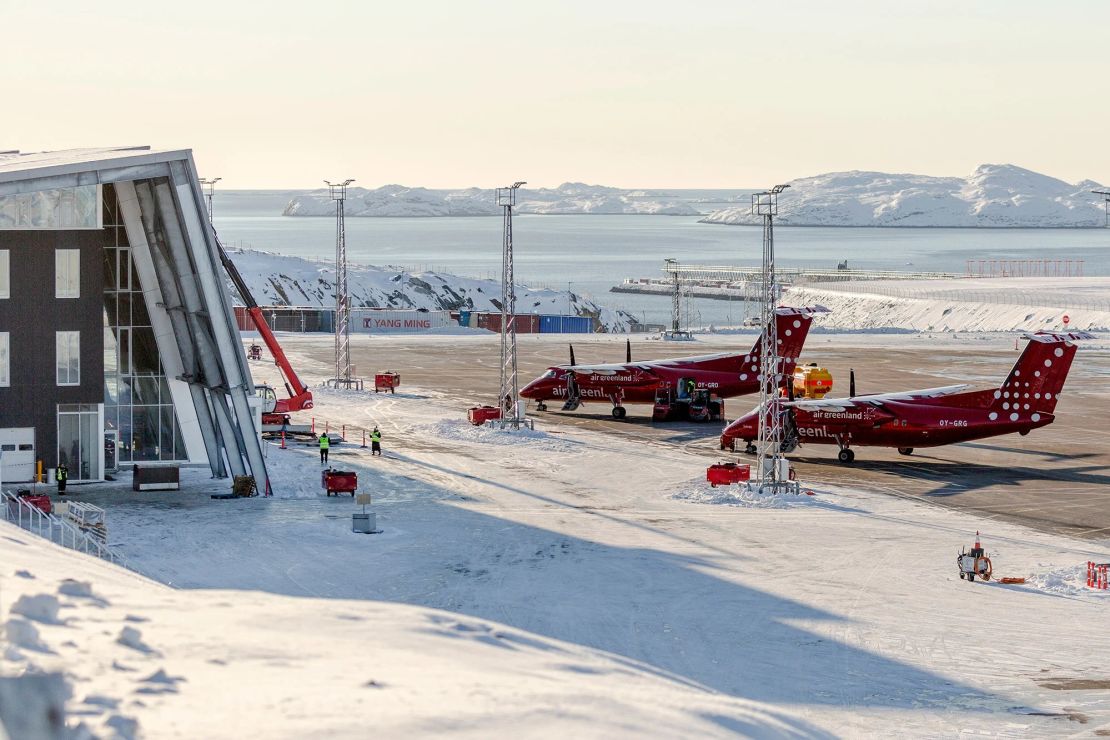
pixel 619 412
pixel 846 456
pixel 905 450
pixel 541 406
pixel 749 448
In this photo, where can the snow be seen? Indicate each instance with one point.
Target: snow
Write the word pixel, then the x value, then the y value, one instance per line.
pixel 992 196
pixel 568 198
pixel 282 280
pixel 964 305
pixel 573 583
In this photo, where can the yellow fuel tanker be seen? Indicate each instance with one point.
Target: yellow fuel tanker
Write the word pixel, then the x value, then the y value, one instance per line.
pixel 811 381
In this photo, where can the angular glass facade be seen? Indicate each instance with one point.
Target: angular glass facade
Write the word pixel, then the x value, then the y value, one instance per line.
pixel 62 208
pixel 137 401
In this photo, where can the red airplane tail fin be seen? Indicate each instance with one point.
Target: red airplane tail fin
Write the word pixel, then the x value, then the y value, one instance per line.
pixel 1035 382
pixel 791 327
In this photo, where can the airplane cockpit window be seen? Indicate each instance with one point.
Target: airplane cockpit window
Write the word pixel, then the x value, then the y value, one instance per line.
pixel 549 374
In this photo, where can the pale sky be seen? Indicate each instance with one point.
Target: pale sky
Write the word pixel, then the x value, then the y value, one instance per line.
pixel 632 94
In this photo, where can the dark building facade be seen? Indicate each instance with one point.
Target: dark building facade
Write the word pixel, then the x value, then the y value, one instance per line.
pixel 46 391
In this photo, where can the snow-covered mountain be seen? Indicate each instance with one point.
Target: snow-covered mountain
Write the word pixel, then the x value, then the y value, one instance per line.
pixel 568 198
pixel 277 279
pixel 992 196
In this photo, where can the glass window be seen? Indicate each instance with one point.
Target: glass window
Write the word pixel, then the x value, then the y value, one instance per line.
pixel 67 273
pixel 5 275
pixel 5 361
pixel 61 208
pixel 68 347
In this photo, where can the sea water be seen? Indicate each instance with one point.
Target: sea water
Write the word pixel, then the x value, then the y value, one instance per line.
pixel 589 254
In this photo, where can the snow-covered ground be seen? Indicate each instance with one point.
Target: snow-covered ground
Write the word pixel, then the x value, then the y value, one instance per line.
pixel 568 198
pixel 567 583
pixel 277 279
pixel 966 305
pixel 992 196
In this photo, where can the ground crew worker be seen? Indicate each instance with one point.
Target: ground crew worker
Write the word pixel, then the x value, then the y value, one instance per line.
pixel 61 475
pixel 325 443
pixel 376 442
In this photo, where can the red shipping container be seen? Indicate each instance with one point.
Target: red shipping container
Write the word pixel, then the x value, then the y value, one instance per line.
pixel 243 319
pixel 525 323
pixel 726 474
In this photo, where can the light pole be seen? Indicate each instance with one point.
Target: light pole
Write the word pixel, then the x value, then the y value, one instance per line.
pixel 1105 203
pixel 209 185
pixel 508 401
pixel 342 379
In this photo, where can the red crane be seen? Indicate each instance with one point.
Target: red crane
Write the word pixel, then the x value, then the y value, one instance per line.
pixel 300 397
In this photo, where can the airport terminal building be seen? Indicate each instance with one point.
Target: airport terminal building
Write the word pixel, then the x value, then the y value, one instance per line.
pixel 118 345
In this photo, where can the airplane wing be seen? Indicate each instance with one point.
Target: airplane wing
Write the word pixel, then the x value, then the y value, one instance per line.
pixel 803 311
pixel 843 404
pixel 945 390
pixel 1051 337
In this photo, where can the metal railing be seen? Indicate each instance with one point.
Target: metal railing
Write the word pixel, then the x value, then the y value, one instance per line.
pixel 32 519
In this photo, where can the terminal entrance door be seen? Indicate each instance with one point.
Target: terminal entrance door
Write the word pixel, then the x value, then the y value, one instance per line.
pixel 111 442
pixel 81 440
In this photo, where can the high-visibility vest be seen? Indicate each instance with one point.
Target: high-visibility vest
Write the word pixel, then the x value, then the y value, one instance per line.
pixel 60 474
pixel 324 442
pixel 375 436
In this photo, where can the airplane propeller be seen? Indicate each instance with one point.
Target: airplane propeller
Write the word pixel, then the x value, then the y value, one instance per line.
pixel 628 351
pixel 852 383
pixel 572 362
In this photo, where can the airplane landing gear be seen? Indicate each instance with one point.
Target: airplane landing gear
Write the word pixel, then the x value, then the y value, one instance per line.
pixel 846 456
pixel 619 412
pixel 905 450
pixel 750 448
pixel 541 406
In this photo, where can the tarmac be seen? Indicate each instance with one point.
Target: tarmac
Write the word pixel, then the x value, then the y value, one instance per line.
pixel 1055 479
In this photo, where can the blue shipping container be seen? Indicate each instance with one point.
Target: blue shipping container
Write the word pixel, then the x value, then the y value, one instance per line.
pixel 566 325
pixel 464 318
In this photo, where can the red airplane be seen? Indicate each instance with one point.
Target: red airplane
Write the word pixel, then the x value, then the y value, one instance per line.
pixel 684 379
pixel 931 417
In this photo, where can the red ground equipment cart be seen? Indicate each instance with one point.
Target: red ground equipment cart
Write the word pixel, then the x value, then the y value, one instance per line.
pixel 339 481
pixel 725 474
pixel 386 381
pixel 40 501
pixel 479 415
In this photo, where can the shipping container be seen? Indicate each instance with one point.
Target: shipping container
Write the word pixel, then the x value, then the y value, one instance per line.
pixel 566 325
pixel 525 323
pixel 377 321
pixel 289 318
pixel 464 318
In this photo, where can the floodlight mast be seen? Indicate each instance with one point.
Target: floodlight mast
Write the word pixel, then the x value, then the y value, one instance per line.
pixel 209 185
pixel 769 455
pixel 670 266
pixel 1105 204
pixel 511 415
pixel 342 379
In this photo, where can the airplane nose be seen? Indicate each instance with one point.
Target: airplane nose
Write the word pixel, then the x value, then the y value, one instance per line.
pixel 529 390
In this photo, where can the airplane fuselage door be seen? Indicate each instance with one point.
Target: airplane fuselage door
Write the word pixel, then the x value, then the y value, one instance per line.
pixel 17 455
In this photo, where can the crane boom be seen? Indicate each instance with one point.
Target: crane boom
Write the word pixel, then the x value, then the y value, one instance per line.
pixel 300 397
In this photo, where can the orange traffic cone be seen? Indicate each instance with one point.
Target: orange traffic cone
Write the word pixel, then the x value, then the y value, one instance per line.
pixel 283 439
pixel 977 545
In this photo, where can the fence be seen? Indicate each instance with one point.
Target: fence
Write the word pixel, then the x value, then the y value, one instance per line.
pixel 36 521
